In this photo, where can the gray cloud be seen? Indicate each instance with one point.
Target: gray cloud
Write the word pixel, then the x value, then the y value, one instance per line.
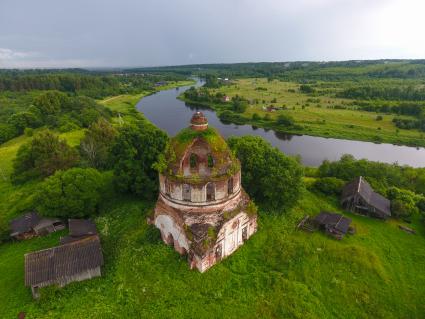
pixel 52 33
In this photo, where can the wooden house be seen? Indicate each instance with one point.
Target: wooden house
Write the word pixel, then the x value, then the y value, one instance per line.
pixel 74 261
pixel 333 224
pixel 31 224
pixel 359 197
pixel 78 229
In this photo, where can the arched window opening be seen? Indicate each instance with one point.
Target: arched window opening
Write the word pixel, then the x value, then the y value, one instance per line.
pixel 167 187
pixel 186 192
pixel 210 192
pixel 210 161
pixel 193 160
pixel 230 186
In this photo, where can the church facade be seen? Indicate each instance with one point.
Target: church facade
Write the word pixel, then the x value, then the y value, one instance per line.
pixel 202 209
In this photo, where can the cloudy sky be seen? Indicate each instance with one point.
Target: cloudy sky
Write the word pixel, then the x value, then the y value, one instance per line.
pixel 96 33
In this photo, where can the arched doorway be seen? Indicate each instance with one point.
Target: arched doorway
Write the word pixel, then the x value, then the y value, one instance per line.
pixel 210 192
pixel 170 240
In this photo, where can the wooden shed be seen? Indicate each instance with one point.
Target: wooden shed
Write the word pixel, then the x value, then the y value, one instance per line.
pixel 359 197
pixel 333 224
pixel 75 261
pixel 78 229
pixel 31 224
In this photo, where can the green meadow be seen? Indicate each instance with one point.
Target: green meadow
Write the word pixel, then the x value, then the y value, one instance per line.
pixel 318 115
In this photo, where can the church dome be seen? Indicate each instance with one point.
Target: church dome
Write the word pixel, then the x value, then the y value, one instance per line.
pixel 199 153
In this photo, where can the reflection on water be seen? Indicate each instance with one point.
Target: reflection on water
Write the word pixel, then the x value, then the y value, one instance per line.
pixel 283 136
pixel 170 114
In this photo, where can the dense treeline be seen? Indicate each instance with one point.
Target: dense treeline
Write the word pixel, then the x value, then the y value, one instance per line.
pixel 304 70
pixel 92 85
pixel 63 99
pixel 409 93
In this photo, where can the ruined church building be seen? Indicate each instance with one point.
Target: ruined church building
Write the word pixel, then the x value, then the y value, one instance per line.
pixel 202 209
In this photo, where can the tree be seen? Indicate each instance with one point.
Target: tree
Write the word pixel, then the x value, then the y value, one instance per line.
pixel 23 120
pixel 304 88
pixel 271 178
pixel 134 153
pixel 50 102
pixel 239 104
pixel 74 193
pixel 285 120
pixel 96 145
pixel 7 132
pixel 42 157
pixel 403 202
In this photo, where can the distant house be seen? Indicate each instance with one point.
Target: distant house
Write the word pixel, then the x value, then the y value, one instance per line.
pixel 359 197
pixel 226 98
pixel 78 229
pixel 333 224
pixel 31 224
pixel 270 108
pixel 160 83
pixel 74 261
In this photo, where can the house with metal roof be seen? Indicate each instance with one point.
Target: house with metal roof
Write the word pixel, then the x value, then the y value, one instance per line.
pixel 75 261
pixel 359 197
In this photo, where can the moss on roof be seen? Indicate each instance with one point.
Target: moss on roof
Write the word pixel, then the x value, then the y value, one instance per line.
pixel 223 157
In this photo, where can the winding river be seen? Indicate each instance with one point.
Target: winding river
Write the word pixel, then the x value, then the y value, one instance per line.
pixel 170 114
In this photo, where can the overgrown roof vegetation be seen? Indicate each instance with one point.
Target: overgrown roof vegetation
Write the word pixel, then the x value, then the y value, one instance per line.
pixel 179 144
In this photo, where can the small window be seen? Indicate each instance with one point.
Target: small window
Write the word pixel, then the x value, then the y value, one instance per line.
pixel 167 187
pixel 230 186
pixel 210 161
pixel 193 160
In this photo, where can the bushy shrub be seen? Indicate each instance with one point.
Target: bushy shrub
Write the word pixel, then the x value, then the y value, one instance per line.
pixel 329 185
pixel 256 117
pixel 7 132
pixel 403 202
pixel 285 120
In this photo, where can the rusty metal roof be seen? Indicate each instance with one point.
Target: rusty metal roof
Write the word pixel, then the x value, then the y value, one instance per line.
pixel 53 264
pixel 363 188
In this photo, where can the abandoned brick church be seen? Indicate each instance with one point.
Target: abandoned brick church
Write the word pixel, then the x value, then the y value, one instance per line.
pixel 202 209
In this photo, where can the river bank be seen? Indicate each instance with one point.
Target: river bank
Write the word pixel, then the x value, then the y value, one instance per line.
pixel 321 115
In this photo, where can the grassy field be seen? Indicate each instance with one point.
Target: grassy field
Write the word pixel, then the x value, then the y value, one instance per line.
pixel 279 273
pixel 318 118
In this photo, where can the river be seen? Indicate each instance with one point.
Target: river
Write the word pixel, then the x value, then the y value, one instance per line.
pixel 171 114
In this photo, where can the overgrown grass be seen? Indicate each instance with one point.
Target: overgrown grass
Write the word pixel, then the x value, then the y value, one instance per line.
pixel 279 272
